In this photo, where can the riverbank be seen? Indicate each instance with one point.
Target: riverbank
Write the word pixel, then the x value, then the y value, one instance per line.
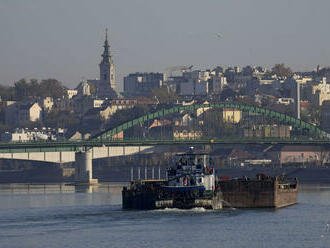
pixel 113 174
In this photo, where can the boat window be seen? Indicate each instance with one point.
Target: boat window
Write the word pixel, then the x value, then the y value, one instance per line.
pixel 191 161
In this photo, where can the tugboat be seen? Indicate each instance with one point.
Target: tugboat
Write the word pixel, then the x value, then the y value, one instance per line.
pixel 191 183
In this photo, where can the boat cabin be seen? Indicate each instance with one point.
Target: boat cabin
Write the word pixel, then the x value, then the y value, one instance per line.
pixel 192 169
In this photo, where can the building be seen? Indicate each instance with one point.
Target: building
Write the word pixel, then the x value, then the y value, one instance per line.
pixel 84 104
pixel 46 103
pixel 325 116
pixel 193 83
pixel 71 93
pixel 23 112
pixel 3 109
pixel 181 132
pixel 267 131
pixel 231 115
pixel 142 84
pixel 105 86
pixel 285 101
pixel 321 92
pixel 29 112
pixel 20 135
pixel 217 84
pixel 198 82
pixel 313 155
pixel 83 89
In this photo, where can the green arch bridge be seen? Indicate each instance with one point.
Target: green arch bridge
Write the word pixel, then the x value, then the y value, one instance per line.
pixel 312 130
pixel 305 133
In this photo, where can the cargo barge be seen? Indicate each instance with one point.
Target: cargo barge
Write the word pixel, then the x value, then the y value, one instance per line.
pixel 259 192
pixel 192 182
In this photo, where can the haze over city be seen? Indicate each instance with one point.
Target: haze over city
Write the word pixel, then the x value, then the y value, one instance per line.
pixel 164 123
pixel 63 39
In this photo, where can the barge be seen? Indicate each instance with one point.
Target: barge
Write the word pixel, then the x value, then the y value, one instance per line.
pixel 259 192
pixel 192 182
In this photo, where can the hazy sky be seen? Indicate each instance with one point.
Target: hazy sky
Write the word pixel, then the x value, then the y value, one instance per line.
pixel 63 39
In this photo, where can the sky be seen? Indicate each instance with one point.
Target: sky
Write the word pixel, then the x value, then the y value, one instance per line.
pixel 63 39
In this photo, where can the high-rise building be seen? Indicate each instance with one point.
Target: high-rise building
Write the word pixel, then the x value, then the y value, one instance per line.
pixel 142 83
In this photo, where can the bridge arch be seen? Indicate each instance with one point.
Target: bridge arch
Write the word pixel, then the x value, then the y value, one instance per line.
pixel 296 123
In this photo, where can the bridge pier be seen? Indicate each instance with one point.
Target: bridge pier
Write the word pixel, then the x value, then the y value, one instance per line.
pixel 84 168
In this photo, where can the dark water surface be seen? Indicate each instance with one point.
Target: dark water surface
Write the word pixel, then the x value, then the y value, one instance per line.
pixel 54 216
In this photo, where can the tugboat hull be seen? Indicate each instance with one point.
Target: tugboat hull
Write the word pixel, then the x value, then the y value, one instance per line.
pixel 147 195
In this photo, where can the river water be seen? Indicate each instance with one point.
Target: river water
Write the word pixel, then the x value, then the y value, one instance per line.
pixel 65 216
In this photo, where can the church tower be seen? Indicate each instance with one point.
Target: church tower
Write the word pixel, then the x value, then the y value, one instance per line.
pixel 106 84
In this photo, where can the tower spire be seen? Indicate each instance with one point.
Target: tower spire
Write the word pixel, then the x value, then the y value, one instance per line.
pixel 106 34
pixel 107 70
pixel 107 54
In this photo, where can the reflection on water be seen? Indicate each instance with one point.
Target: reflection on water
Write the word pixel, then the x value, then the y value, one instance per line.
pixel 55 215
pixel 23 188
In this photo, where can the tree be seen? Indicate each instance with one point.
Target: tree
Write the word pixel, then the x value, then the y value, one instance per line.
pixel 227 93
pixel 247 71
pixel 7 93
pixel 63 119
pixel 164 95
pixel 215 126
pixel 312 114
pixel 52 88
pixel 125 115
pixel 281 71
pixel 21 89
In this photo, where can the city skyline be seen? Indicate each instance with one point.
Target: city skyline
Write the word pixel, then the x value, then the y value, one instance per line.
pixel 63 39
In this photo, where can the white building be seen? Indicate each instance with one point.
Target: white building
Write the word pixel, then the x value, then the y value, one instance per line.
pixel 29 112
pixel 21 135
pixel 71 93
pixel 83 89
pixel 22 112
pixel 46 103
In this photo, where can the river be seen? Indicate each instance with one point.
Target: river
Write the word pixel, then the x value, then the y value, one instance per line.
pixel 65 216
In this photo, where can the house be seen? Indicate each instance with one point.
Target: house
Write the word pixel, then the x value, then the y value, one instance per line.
pixel 46 103
pixel 85 103
pixel 71 93
pixel 74 136
pixel 285 101
pixel 29 112
pixel 23 112
pixel 299 154
pixel 160 123
pixel 266 131
pixel 231 115
pixel 18 136
pixel 319 93
pixel 181 132
pixel 237 156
